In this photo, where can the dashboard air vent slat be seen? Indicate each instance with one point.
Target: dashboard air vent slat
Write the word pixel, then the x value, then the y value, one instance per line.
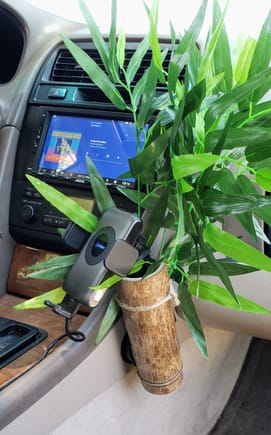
pixel 66 69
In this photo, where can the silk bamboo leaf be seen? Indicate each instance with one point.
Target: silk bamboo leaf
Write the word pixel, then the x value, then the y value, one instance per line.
pixel 192 319
pixel 189 164
pixel 220 271
pixel 218 295
pixel 237 95
pixel 136 59
pixel 96 74
pixel 121 48
pixel 64 204
pixel 185 48
pixel 109 318
pixel 96 35
pixel 262 53
pixel 263 178
pixel 232 268
pixel 221 204
pixel 57 261
pixel 51 274
pixel 101 193
pixel 222 53
pixel 56 296
pixel 232 247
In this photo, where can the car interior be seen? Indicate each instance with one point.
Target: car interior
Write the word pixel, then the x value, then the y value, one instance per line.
pixel 49 382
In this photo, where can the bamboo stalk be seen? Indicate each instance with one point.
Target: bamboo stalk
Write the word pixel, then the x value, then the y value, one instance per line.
pixel 148 311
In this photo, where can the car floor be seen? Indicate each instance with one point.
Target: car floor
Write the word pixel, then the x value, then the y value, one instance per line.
pixel 248 410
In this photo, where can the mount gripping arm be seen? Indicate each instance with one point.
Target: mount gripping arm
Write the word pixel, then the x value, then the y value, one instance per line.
pixel 111 248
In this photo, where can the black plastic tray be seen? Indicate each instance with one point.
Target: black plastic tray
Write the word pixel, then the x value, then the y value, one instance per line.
pixel 16 338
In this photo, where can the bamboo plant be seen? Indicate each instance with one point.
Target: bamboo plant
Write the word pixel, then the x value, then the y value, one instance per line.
pixel 206 155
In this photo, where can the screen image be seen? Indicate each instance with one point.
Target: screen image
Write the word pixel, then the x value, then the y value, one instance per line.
pixel 108 142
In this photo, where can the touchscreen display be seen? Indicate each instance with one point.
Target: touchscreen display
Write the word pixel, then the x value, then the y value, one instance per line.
pixel 108 142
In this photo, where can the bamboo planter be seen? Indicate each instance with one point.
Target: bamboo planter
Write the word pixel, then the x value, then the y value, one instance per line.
pixel 148 311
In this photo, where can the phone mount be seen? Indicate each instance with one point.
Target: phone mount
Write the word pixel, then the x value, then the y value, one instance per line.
pixel 113 248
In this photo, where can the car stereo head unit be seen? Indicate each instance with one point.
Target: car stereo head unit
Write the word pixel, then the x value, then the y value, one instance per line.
pixel 69 138
pixel 53 145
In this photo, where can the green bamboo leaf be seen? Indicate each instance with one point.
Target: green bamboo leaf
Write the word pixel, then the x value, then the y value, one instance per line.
pixel 121 47
pixel 109 318
pixel 107 283
pixel 231 99
pixel 54 273
pixel 219 295
pixel 146 108
pixel 263 178
pixel 137 58
pixel 188 164
pixel 113 48
pixel 114 279
pixel 262 53
pixel 96 35
pixel 64 204
pixel 247 186
pixel 212 260
pixel 150 154
pixel 157 215
pixel 244 59
pixel 102 196
pixel 192 319
pixel 250 137
pixel 96 74
pixel 222 204
pixel 208 55
pixel 57 261
pixel 194 98
pixel 234 248
pixel 222 53
pixel 231 268
pixel 153 35
pixel 185 48
pixel 56 296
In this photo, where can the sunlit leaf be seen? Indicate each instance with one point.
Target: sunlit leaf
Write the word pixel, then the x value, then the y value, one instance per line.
pixel 219 295
pixel 65 204
pixel 121 47
pixel 188 164
pixel 56 296
pixel 263 178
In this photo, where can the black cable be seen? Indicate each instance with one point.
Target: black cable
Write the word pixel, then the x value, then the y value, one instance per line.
pixel 73 335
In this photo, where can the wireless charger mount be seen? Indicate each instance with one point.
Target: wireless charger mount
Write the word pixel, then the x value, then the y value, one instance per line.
pixel 114 247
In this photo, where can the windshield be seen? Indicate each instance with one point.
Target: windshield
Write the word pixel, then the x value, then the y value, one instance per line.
pixel 133 15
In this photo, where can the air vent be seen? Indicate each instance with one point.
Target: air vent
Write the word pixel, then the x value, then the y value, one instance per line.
pixel 66 68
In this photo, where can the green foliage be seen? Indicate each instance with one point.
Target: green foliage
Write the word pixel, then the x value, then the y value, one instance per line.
pixel 206 153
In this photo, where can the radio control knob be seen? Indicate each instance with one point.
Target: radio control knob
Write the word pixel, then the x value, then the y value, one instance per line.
pixel 28 213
